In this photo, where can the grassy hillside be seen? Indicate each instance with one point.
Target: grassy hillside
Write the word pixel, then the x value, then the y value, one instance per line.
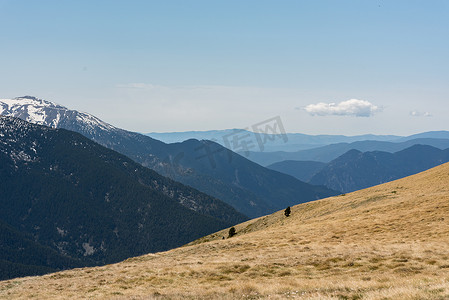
pixel 386 242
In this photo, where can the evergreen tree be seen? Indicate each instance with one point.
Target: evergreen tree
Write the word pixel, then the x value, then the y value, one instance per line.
pixel 287 211
pixel 231 232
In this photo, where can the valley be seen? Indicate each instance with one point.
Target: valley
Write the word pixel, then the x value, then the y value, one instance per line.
pixel 384 242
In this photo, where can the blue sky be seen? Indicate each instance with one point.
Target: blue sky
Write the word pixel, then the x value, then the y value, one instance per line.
pixel 199 65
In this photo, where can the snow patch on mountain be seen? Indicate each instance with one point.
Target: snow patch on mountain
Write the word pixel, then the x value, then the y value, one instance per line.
pixel 30 109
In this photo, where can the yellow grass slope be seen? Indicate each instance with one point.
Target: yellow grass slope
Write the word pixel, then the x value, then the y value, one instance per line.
pixel 386 242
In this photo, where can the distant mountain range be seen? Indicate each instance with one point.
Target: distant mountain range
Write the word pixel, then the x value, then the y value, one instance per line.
pixel 291 143
pixel 442 134
pixel 330 152
pixel 274 142
pixel 355 170
pixel 207 166
pixel 68 202
pixel 303 147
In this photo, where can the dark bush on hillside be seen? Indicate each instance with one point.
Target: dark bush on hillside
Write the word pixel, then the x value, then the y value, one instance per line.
pixel 232 232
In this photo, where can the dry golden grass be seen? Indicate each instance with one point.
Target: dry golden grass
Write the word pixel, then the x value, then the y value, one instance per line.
pixel 386 242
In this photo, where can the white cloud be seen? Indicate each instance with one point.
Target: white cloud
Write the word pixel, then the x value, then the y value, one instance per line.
pixel 415 113
pixel 352 107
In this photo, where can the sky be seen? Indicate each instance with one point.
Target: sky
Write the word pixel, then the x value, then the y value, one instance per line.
pixel 323 67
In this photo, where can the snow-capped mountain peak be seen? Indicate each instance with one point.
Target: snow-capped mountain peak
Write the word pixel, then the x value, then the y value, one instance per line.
pixel 30 109
pixel 43 112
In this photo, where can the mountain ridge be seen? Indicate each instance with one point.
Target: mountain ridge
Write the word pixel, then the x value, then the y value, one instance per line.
pixel 204 165
pixel 61 192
